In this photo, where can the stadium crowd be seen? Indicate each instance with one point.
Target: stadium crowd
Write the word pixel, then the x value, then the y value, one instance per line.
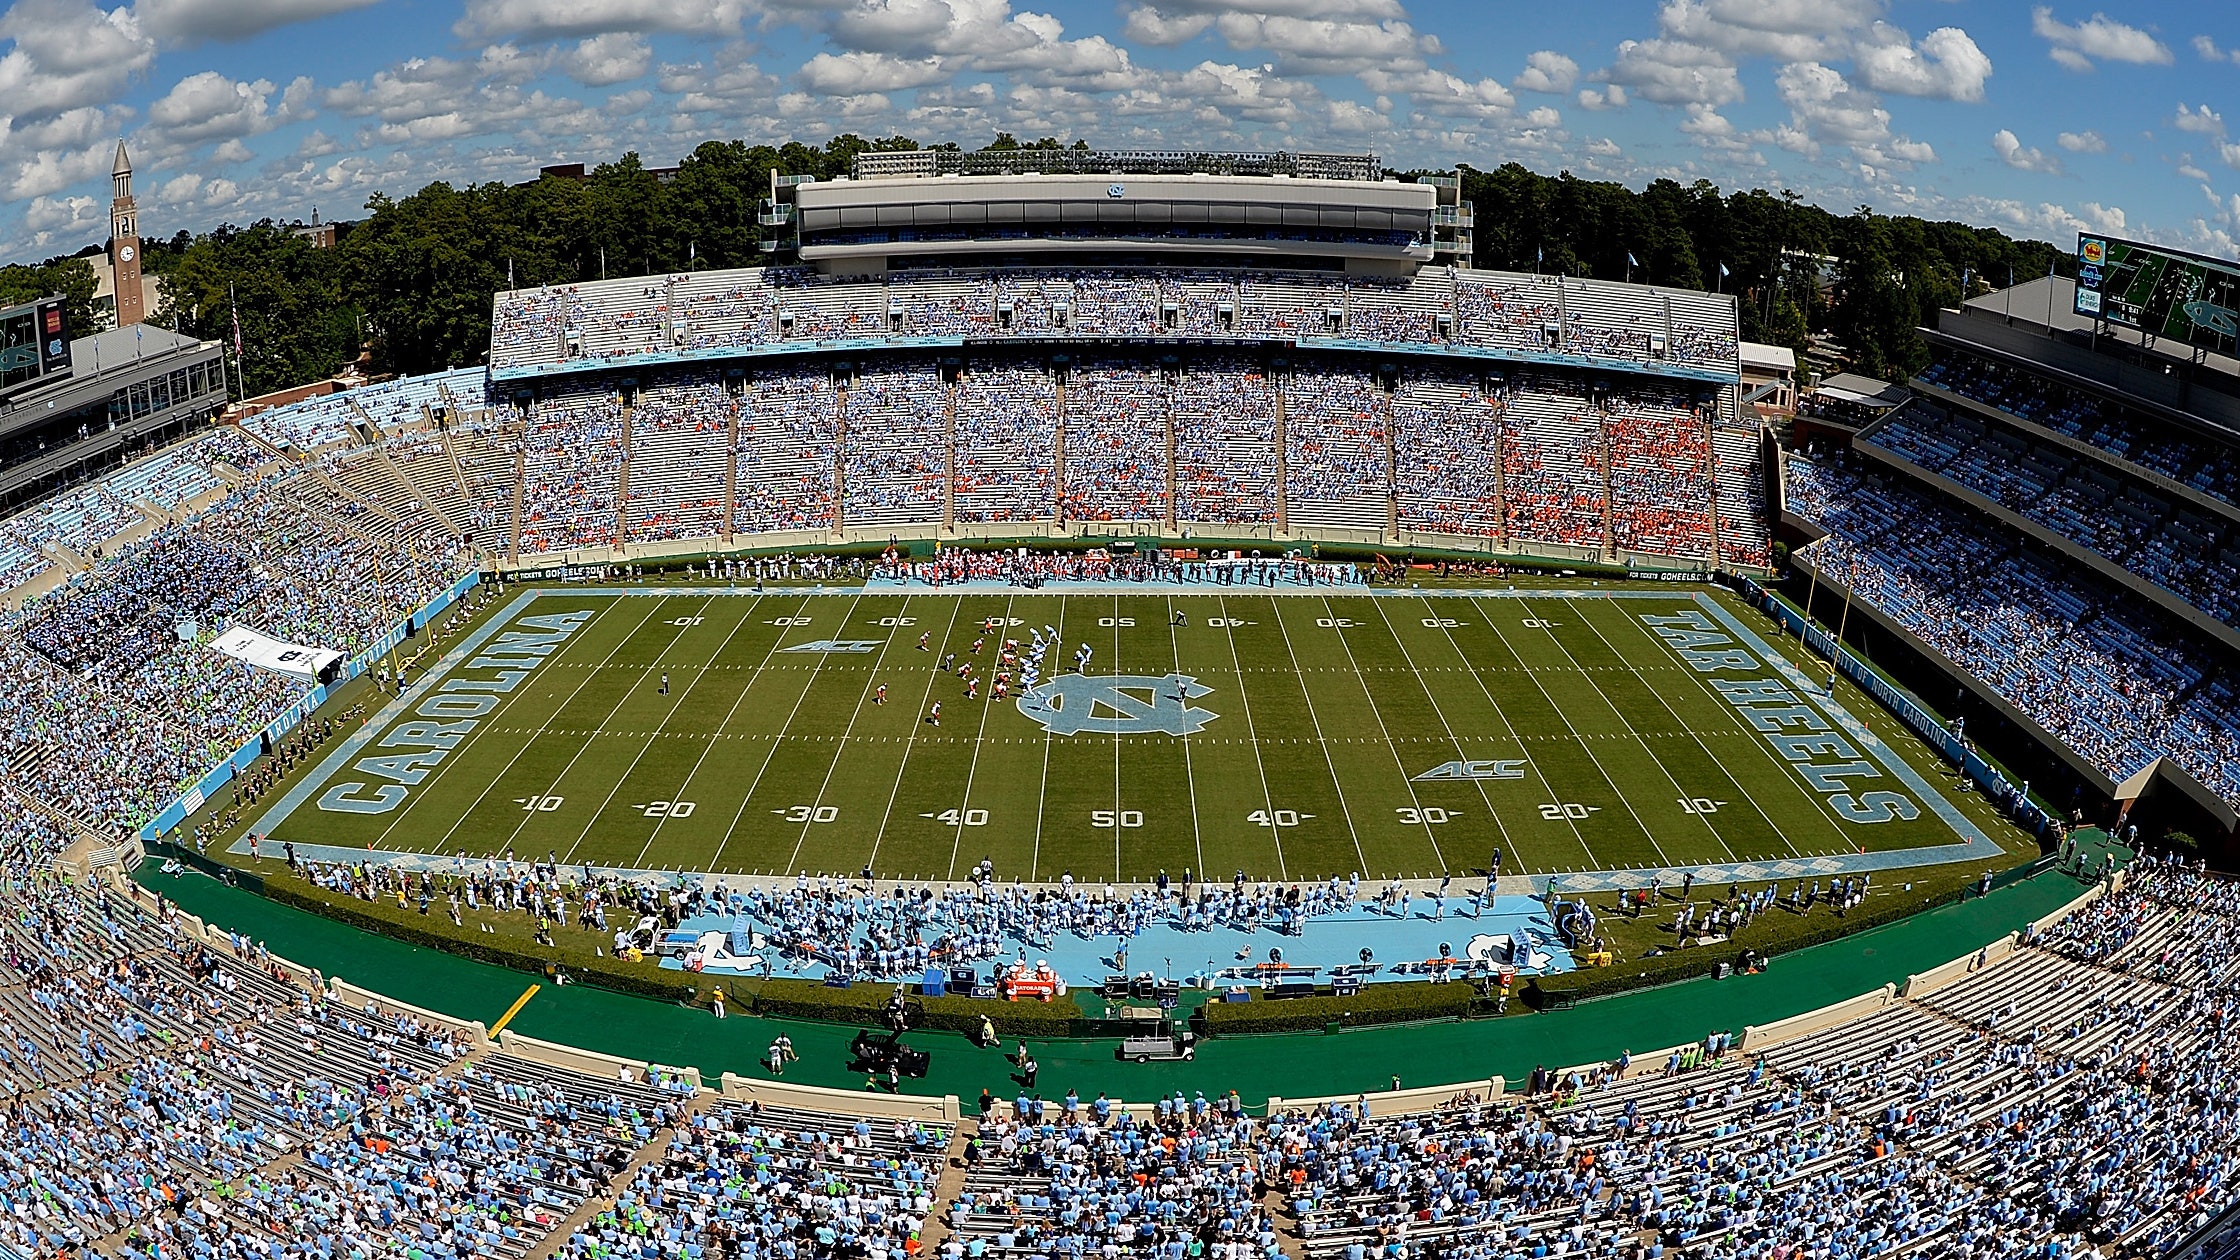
pixel 2105 674
pixel 2127 521
pixel 1098 565
pixel 1439 306
pixel 2073 1098
pixel 2130 435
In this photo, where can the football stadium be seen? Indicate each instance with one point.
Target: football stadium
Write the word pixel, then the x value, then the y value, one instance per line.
pixel 1134 704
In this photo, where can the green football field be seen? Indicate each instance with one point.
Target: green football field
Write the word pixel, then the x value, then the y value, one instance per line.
pixel 1287 735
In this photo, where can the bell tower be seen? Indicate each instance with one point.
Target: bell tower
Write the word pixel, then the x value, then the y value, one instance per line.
pixel 124 242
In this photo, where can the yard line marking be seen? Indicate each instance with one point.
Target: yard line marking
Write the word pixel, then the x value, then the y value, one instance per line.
pixel 1252 736
pixel 1116 828
pixel 1508 844
pixel 681 693
pixel 1189 769
pixel 909 741
pixel 1787 775
pixel 448 763
pixel 1042 798
pixel 600 729
pixel 1494 625
pixel 1651 753
pixel 791 713
pixel 956 849
pixel 702 759
pixel 514 1009
pixel 1384 731
pixel 870 680
pixel 654 606
pixel 1276 611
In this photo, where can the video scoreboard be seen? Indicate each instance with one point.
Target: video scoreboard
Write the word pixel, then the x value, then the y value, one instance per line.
pixel 2160 292
pixel 34 344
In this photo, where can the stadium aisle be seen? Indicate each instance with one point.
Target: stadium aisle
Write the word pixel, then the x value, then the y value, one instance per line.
pixel 1292 1066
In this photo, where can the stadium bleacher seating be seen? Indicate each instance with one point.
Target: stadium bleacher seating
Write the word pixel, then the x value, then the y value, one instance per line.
pixel 2184 547
pixel 680 435
pixel 895 460
pixel 1006 442
pixel 1626 325
pixel 2193 460
pixel 788 429
pixel 1337 463
pixel 2094 665
pixel 1950 1121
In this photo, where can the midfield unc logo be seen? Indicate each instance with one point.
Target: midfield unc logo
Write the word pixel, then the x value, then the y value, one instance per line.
pixel 1111 704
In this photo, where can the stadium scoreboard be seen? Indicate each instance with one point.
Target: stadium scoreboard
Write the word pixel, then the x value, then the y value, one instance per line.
pixel 2160 292
pixel 34 344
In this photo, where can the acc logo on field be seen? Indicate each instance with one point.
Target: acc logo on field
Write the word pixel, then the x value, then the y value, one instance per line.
pixel 835 645
pixel 1118 704
pixel 1475 770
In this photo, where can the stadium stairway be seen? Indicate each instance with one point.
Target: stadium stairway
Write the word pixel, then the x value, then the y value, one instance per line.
pixel 1290 1066
pixel 419 495
pixel 647 1152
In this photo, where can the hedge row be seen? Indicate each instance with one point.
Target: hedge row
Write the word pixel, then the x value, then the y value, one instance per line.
pixel 863 1004
pixel 1374 1004
pixel 386 919
pixel 1686 964
pixel 866 1004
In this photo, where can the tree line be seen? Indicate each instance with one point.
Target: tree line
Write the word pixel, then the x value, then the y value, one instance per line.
pixel 409 285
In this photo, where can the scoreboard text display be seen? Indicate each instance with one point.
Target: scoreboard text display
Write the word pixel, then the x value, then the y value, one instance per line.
pixel 34 344
pixel 2160 292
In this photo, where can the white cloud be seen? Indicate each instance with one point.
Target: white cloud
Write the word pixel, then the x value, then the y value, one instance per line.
pixel 1711 129
pixel 1674 72
pixel 68 54
pixel 2099 218
pixel 2097 38
pixel 2208 50
pixel 559 18
pixel 1826 109
pixel 1325 46
pixel 1946 64
pixel 46 214
pixel 1549 72
pixel 1614 97
pixel 2014 153
pixel 978 36
pixel 2203 121
pixel 1355 118
pixel 1603 148
pixel 50 171
pixel 2231 155
pixel 734 87
pixel 1786 30
pixel 317 144
pixel 2082 142
pixel 1446 95
pixel 191 21
pixel 853 73
pixel 208 107
pixel 604 60
pixel 1147 25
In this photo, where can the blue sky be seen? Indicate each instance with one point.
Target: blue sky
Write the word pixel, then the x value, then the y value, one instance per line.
pixel 2037 119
